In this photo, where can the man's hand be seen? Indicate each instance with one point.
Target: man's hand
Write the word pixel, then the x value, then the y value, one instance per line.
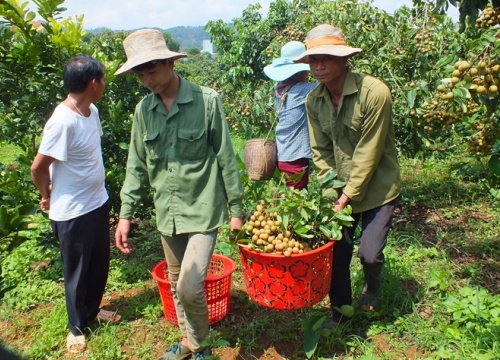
pixel 341 203
pixel 121 236
pixel 235 226
pixel 45 204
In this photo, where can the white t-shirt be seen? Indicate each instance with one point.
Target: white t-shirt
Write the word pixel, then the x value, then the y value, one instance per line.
pixel 77 174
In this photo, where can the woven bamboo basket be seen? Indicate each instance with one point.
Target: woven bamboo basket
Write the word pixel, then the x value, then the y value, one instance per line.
pixel 260 158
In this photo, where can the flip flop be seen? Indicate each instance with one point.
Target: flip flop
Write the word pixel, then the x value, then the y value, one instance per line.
pixel 75 343
pixel 108 316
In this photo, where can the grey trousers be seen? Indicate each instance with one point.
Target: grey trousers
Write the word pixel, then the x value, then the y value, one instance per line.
pixel 188 257
pixel 375 225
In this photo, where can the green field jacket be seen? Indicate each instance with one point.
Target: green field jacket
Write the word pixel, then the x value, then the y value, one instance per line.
pixel 357 140
pixel 185 155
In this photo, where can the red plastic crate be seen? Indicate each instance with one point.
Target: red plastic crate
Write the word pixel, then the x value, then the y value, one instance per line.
pixel 217 288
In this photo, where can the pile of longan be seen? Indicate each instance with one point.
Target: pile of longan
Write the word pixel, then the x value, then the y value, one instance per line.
pixel 245 111
pixel 483 77
pixel 268 234
pixel 293 33
pixel 489 18
pixel 487 133
pixel 424 41
pixel 439 117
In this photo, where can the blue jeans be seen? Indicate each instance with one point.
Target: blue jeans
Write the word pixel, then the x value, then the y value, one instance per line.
pixel 375 225
pixel 188 257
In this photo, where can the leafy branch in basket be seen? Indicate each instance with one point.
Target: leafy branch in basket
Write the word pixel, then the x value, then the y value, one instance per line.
pixel 309 212
pixel 291 221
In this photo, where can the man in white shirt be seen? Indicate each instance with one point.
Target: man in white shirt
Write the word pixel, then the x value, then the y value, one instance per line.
pixel 68 171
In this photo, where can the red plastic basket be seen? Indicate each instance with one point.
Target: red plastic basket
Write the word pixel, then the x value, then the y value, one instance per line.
pixel 287 283
pixel 217 288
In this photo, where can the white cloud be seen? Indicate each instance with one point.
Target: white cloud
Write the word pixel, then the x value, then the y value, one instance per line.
pixel 133 14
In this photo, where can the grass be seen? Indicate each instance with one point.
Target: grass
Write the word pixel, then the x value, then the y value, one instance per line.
pixel 440 291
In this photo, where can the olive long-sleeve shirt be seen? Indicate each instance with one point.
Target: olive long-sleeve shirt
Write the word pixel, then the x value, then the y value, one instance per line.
pixel 357 139
pixel 185 155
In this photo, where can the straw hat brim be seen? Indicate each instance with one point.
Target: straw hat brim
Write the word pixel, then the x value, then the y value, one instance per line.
pixel 140 59
pixel 333 50
pixel 283 72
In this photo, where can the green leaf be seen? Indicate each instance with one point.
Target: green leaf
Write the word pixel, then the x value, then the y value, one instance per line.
pixel 460 92
pixel 3 217
pixel 302 230
pixel 330 176
pixel 304 214
pixel 326 231
pixel 330 181
pixel 123 146
pixel 494 164
pixel 446 60
pixel 337 235
pixel 337 184
pixel 495 193
pixel 344 217
pixel 312 328
pixel 410 97
pixel 330 195
pixel 30 16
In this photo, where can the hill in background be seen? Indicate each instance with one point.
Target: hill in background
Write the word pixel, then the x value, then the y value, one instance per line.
pixel 186 36
pixel 189 36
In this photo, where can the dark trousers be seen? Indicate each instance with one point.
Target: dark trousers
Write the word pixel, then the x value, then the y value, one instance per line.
pixel 375 224
pixel 85 251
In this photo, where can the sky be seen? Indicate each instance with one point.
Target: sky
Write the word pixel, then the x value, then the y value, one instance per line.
pixel 164 14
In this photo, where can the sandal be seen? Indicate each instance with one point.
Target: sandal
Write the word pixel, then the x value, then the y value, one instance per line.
pixel 75 343
pixel 368 302
pixel 108 316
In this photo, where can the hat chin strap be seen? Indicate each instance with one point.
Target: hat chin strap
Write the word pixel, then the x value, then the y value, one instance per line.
pixel 327 40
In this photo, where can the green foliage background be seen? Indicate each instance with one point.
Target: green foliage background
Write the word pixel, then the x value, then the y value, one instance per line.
pixel 393 49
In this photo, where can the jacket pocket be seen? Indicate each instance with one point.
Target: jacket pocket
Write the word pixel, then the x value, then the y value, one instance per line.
pixel 151 144
pixel 354 128
pixel 192 144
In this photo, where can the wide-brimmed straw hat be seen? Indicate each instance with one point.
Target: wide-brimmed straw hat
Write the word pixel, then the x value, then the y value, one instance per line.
pixel 326 40
pixel 143 46
pixel 283 67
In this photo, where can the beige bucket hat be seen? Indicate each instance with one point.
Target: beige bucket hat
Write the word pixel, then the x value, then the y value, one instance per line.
pixel 143 46
pixel 326 40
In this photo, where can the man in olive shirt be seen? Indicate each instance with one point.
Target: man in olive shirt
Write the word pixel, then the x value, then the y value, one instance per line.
pixel 180 147
pixel 351 130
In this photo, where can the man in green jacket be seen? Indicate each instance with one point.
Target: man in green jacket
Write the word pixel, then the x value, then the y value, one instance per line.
pixel 181 148
pixel 351 130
